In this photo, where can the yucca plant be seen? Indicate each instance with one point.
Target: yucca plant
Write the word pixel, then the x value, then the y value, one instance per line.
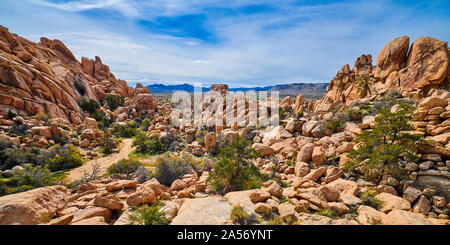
pixel 149 215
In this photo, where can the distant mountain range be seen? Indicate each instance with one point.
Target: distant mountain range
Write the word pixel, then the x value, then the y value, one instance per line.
pixel 293 89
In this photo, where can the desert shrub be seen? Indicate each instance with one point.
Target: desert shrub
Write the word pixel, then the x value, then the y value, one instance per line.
pixel 109 143
pixel 124 166
pixel 240 217
pixel 391 98
pixel 235 171
pixel 200 136
pixel 13 156
pixel 88 105
pixel 19 129
pixel 172 167
pixel 79 86
pixel 381 150
pixel 88 176
pixel 125 130
pixel 32 176
pixel 114 101
pixel 62 157
pixel 363 83
pixel 356 114
pixel 146 145
pixel 42 116
pixel 335 123
pixel 149 215
pixel 276 220
pixel 368 198
pixel 145 124
pixel 330 213
pixel 104 120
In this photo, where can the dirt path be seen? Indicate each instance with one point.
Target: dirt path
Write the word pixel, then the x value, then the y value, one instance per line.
pixel 105 162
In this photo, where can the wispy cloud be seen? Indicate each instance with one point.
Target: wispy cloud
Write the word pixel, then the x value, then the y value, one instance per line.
pixel 247 42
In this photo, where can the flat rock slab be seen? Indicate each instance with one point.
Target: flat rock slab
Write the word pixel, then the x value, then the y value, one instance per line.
pixel 203 211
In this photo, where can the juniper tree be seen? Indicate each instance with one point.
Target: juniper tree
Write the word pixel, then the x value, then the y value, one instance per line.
pixel 381 150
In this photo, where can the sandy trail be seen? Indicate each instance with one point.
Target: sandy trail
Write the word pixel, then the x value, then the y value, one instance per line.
pixel 105 162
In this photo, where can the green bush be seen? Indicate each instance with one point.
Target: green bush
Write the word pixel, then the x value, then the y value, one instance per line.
pixel 172 167
pixel 364 82
pixel 42 116
pixel 103 119
pixel 240 217
pixel 368 198
pixel 114 101
pixel 145 124
pixel 89 105
pixel 235 171
pixel 127 130
pixel 12 156
pixel 19 129
pixel 148 145
pixel 381 150
pixel 334 125
pixel 109 143
pixel 62 157
pixel 330 213
pixel 149 215
pixel 124 166
pixel 33 176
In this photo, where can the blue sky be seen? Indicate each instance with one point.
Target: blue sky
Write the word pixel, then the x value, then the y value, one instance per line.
pixel 242 43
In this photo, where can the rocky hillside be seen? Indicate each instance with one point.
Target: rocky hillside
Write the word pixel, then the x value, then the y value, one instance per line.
pixel 46 77
pixel 413 72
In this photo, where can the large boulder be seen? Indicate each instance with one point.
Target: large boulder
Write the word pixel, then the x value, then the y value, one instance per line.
pixel 402 217
pixel 30 207
pixel 203 211
pixel 427 64
pixel 392 57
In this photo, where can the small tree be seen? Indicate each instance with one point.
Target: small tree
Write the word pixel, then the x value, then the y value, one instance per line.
pixel 364 83
pixel 108 143
pixel 235 170
pixel 381 149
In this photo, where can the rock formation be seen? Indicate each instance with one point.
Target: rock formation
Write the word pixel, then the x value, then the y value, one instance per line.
pixel 42 77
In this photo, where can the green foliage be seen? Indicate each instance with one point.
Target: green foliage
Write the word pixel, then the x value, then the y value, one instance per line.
pixel 124 166
pixel 200 136
pixel 109 143
pixel 334 125
pixel 42 116
pixel 172 167
pixel 327 212
pixel 114 101
pixel 277 220
pixel 235 171
pixel 356 114
pixel 127 130
pixel 104 120
pixel 283 114
pixel 62 157
pixel 149 215
pixel 89 105
pixel 240 217
pixel 368 198
pixel 79 86
pixel 145 124
pixel 364 83
pixel 381 149
pixel 34 176
pixel 148 145
pixel 11 156
pixel 18 129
